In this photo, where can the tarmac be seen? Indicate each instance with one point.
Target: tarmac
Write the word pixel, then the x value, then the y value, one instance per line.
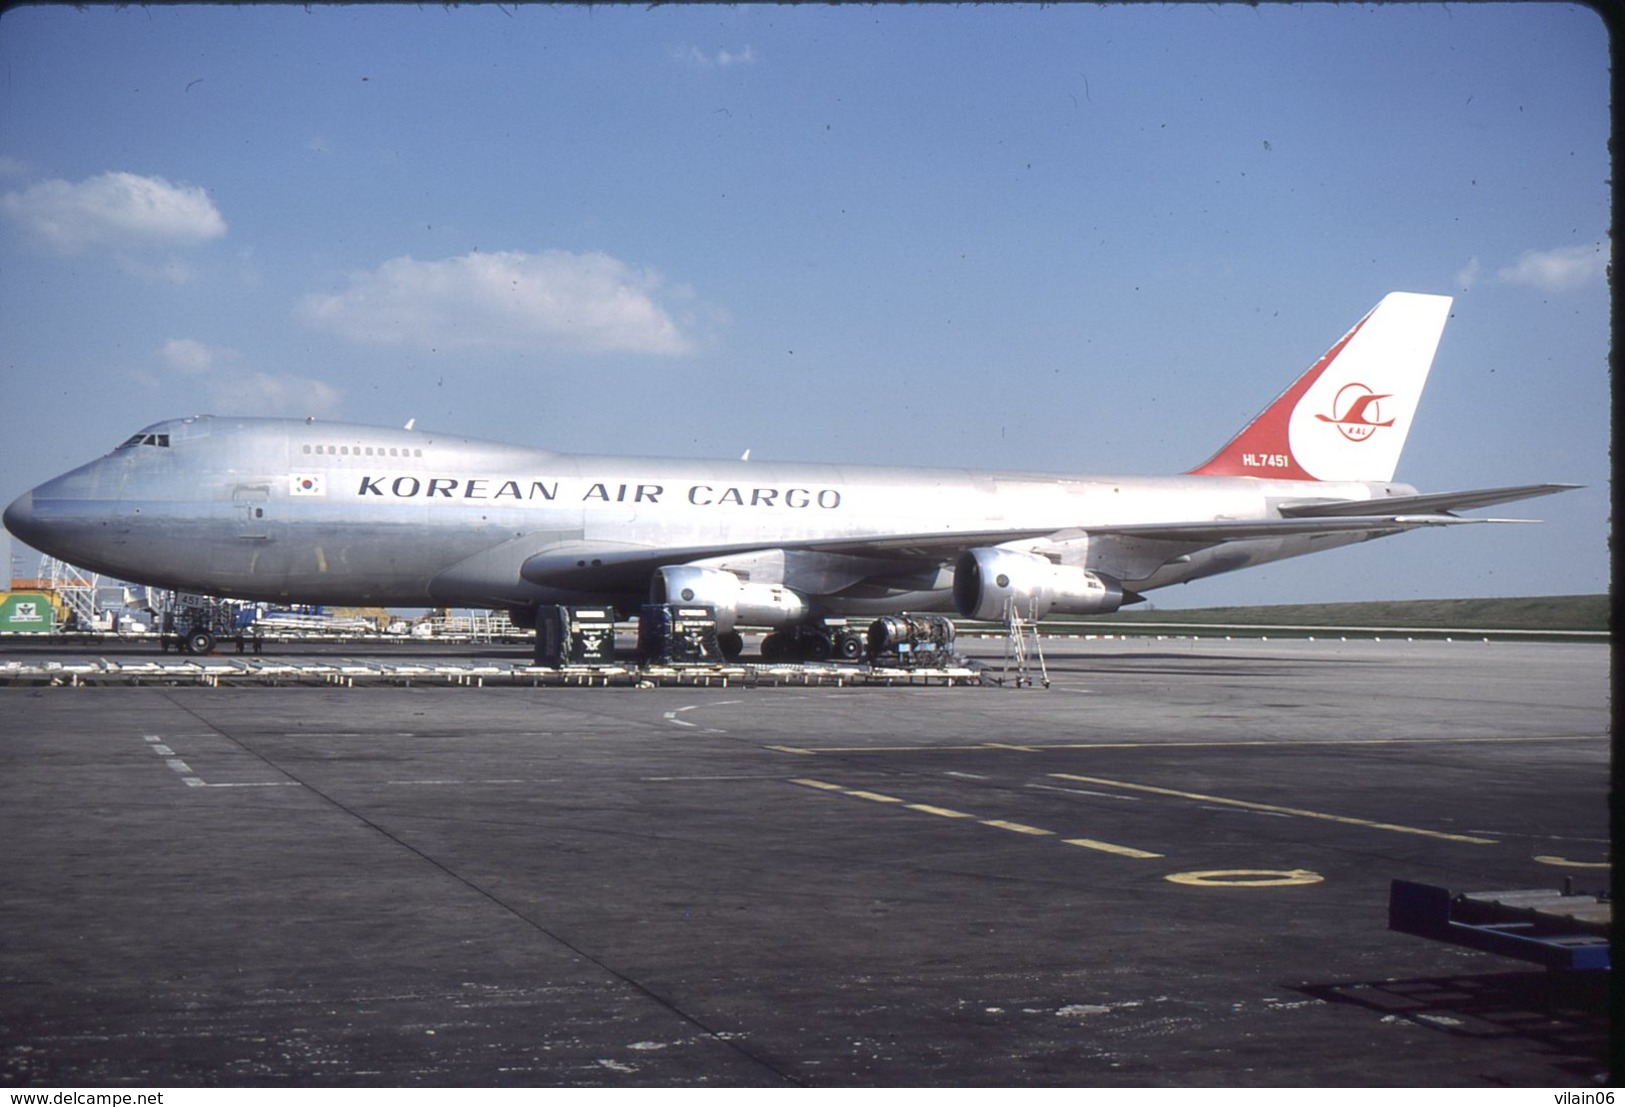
pixel 1170 868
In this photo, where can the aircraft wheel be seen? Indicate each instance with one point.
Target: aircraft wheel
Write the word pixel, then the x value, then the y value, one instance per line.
pixel 849 647
pixel 199 642
pixel 732 644
pixel 775 647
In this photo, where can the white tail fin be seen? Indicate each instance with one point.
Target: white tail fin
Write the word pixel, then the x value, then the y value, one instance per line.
pixel 1347 417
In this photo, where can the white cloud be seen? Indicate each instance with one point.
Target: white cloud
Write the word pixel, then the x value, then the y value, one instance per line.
pixel 188 355
pixel 552 301
pixel 1559 270
pixel 277 394
pixel 228 386
pixel 120 210
pixel 1467 276
pixel 721 59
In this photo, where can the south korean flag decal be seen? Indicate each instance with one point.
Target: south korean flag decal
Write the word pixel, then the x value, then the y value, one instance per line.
pixel 308 484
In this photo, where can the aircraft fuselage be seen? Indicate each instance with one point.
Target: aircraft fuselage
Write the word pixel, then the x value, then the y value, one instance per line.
pixel 335 513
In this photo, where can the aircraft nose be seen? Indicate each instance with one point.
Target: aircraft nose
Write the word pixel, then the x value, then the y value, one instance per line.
pixel 19 517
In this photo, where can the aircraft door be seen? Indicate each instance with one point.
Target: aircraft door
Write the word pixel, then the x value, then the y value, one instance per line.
pixel 251 503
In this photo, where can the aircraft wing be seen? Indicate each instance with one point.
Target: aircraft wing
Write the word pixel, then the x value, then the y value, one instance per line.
pixel 581 563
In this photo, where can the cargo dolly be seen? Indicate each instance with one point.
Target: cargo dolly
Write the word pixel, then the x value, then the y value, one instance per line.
pixel 1558 929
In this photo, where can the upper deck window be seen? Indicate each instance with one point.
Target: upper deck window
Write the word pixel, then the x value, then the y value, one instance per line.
pixel 346 451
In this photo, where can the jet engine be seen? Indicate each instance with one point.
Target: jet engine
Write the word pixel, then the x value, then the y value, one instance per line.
pixel 736 601
pixel 990 582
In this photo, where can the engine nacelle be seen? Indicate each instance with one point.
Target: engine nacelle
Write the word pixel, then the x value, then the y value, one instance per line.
pixel 990 582
pixel 736 601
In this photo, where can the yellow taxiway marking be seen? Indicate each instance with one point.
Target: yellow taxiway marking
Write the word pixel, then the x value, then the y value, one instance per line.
pixel 1564 862
pixel 997 824
pixel 1276 809
pixel 1246 878
pixel 1019 828
pixel 1016 747
pixel 945 812
pixel 878 797
pixel 1108 847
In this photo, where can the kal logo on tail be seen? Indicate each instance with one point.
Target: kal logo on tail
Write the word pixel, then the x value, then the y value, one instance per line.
pixel 1362 412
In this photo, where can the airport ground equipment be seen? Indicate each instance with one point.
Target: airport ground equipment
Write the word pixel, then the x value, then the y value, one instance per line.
pixel 911 641
pixel 848 641
pixel 234 671
pixel 1023 648
pixel 1561 930
pixel 74 589
pixel 830 639
pixel 678 634
pixel 575 636
pixel 194 623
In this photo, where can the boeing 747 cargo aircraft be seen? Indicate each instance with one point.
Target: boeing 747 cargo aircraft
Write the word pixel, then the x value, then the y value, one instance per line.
pixel 314 512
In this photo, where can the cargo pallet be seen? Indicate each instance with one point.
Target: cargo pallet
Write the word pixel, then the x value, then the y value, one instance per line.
pixel 215 672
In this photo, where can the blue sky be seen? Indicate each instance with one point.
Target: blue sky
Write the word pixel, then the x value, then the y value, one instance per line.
pixel 1071 239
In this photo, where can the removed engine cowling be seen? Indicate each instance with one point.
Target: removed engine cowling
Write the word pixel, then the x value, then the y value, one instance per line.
pixel 991 582
pixel 736 601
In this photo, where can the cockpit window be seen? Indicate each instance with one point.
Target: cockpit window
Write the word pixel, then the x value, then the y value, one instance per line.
pixel 146 440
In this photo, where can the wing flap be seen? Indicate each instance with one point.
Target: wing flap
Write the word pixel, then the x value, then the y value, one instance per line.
pixel 1203 533
pixel 1427 503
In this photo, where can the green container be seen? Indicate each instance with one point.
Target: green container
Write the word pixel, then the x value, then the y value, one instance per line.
pixel 26 613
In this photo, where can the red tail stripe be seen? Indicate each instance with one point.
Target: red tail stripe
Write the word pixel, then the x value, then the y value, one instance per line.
pixel 1266 439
